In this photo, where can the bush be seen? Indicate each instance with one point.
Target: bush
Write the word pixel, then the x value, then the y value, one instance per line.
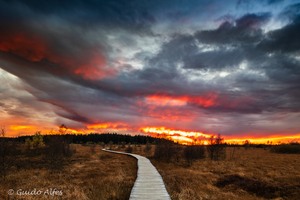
pixel 57 149
pixel 217 149
pixel 147 148
pixel 129 149
pixel 35 144
pixel 287 149
pixel 165 152
pixel 192 153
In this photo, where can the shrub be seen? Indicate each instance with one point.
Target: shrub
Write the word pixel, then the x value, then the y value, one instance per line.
pixel 35 144
pixel 192 153
pixel 147 148
pixel 216 149
pixel 129 149
pixel 165 152
pixel 57 149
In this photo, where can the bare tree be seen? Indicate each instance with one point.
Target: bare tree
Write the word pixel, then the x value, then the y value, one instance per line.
pixel 247 144
pixel 62 129
pixel 216 149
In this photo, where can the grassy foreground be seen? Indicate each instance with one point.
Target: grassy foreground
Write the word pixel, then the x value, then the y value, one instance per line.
pixel 89 174
pixel 246 174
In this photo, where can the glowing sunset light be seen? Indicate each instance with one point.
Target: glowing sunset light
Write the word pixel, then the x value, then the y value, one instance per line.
pixel 21 127
pixel 167 100
pixel 266 140
pixel 176 70
pixel 180 136
pixel 181 139
pixel 193 137
pixel 206 101
pixel 122 126
pixel 70 131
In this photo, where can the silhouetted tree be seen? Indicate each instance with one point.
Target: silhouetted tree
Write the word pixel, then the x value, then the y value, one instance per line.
pixel 62 129
pixel 216 149
pixel 246 144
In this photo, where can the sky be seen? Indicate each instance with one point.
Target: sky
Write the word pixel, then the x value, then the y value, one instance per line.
pixel 185 68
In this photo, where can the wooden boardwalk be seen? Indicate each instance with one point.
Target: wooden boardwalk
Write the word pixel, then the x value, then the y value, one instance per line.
pixel 148 184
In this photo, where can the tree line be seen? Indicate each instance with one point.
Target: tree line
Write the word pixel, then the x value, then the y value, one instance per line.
pixel 106 138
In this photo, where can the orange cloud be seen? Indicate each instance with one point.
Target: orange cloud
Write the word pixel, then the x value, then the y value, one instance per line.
pixel 108 125
pixel 276 139
pixel 164 100
pixel 194 137
pixel 180 136
pixel 21 127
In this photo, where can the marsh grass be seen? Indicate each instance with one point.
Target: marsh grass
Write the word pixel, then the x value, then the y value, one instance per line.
pixel 86 175
pixel 248 174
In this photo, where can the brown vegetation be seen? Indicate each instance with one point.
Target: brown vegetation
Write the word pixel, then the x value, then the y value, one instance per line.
pixel 252 174
pixel 88 174
pixel 247 174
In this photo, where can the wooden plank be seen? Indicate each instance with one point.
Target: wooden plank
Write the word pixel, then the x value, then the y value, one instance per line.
pixel 149 184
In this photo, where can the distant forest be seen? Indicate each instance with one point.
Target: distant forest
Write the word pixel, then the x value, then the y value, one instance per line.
pixel 106 138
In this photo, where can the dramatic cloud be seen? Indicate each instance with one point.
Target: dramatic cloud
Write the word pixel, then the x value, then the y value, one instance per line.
pixel 135 66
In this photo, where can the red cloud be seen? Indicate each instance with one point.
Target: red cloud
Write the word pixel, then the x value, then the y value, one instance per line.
pixel 91 64
pixel 205 100
pixel 28 46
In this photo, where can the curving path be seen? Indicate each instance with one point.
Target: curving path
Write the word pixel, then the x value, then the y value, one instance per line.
pixel 148 184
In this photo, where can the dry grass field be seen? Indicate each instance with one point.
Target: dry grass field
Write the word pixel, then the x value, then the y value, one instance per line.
pixel 248 174
pixel 89 174
pixel 245 174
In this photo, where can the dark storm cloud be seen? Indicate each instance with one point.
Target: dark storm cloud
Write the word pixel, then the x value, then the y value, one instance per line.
pixel 274 1
pixel 237 42
pixel 285 40
pixel 67 37
pixel 244 30
pixel 57 48
pixel 291 11
pixel 225 47
pixel 207 60
pixel 84 13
